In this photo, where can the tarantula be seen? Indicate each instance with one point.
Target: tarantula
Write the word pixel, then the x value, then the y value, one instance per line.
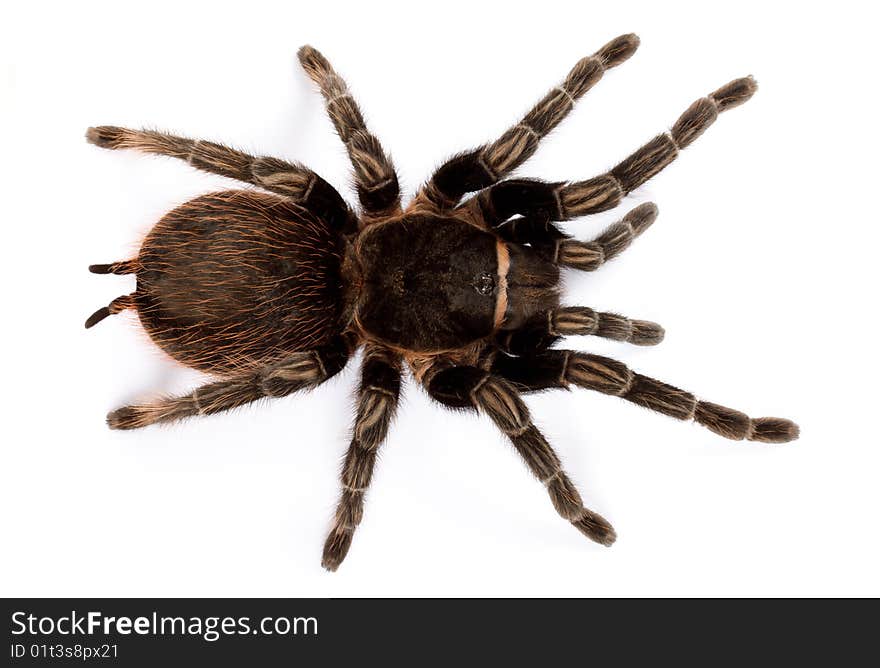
pixel 272 292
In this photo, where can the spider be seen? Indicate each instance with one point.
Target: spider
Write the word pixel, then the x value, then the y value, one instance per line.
pixel 272 290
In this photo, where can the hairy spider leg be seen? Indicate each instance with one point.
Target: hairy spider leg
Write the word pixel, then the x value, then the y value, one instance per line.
pixel 562 368
pixel 564 201
pixel 473 388
pixel 545 329
pixel 291 180
pixel 377 185
pixel 296 372
pixel 556 247
pixel 605 191
pixel 491 162
pixel 378 397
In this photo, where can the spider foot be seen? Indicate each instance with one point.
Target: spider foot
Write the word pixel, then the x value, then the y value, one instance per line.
pixel 618 50
pixel 734 93
pixel 646 333
pixel 336 547
pixel 736 425
pixel 105 136
pixel 774 430
pixel 596 528
pixel 127 417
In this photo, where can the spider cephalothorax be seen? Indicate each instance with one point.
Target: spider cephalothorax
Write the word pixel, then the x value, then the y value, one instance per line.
pixel 273 291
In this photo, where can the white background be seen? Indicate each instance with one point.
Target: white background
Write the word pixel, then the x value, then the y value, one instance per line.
pixel 762 268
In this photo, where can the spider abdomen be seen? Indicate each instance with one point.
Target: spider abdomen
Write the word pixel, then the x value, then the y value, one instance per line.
pixel 236 279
